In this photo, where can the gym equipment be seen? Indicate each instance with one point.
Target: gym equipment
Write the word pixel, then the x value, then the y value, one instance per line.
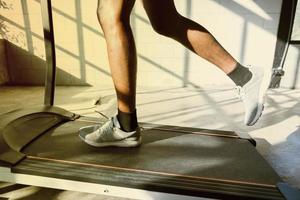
pixel 40 146
pixel 285 28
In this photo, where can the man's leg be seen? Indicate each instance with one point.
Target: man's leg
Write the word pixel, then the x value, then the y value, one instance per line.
pixel 114 18
pixel 121 130
pixel 167 21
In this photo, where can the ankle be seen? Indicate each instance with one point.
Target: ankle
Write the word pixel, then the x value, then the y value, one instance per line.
pixel 127 120
pixel 231 68
pixel 240 75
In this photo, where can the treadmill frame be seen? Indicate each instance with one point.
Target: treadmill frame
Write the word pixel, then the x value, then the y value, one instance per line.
pixel 49 95
pixel 285 28
pixel 63 184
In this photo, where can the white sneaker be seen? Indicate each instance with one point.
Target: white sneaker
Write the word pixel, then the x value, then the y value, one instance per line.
pixel 109 134
pixel 253 94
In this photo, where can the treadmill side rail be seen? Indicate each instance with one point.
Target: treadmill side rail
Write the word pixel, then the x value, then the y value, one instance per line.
pixel 246 136
pixel 217 133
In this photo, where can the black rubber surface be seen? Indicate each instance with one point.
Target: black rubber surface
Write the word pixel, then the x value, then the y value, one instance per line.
pixel 178 162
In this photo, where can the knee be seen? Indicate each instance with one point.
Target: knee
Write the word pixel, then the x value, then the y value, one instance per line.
pixel 110 19
pixel 167 27
pixel 162 28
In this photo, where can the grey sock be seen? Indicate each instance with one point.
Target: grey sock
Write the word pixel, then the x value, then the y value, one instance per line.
pixel 240 75
pixel 128 121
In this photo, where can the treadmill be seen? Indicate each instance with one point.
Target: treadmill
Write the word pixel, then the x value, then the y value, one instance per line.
pixel 40 146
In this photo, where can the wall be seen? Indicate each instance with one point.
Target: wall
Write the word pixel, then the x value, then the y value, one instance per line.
pixel 4 78
pixel 246 28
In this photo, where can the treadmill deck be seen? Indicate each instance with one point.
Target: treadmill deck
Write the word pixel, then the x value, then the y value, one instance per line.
pixel 178 160
pixel 40 146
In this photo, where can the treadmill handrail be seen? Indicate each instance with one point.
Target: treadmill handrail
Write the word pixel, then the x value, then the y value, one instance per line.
pixel 12 143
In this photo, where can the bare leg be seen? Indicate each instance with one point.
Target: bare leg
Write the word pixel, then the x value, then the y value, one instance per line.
pixel 252 83
pixel 114 17
pixel 167 21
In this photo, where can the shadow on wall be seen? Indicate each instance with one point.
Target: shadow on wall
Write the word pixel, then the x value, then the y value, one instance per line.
pixel 25 48
pixel 3 27
pixel 26 69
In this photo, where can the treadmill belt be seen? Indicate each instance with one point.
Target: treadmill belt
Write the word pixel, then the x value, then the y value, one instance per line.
pixel 178 161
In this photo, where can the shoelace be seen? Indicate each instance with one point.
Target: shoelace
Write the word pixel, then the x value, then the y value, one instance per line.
pixel 240 92
pixel 109 127
pixel 106 128
pixel 100 113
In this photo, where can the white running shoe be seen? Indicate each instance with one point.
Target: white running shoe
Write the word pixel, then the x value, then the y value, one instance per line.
pixel 109 134
pixel 253 94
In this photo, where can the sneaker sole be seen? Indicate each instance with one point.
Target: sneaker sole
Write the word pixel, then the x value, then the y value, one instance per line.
pixel 258 115
pixel 262 96
pixel 122 143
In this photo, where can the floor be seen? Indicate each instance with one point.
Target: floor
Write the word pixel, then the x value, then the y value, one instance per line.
pixel 277 132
